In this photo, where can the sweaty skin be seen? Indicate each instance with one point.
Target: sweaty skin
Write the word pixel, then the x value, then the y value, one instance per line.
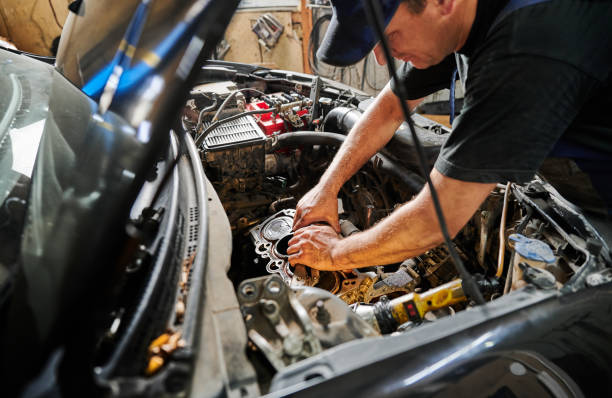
pixel 441 28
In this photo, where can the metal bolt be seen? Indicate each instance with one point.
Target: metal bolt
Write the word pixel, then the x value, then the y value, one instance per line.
pixel 270 307
pixel 323 316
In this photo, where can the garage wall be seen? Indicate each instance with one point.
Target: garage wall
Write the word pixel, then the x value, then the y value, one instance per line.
pixel 244 46
pixel 291 51
pixel 33 24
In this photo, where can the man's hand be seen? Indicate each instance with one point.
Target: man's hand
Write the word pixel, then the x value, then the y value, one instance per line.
pixel 318 205
pixel 371 132
pixel 409 231
pixel 312 246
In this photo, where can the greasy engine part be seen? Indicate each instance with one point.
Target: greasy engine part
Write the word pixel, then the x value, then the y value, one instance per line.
pixel 435 266
pixel 234 155
pixel 290 324
pixel 295 108
pixel 387 315
pixel 362 293
pixel 271 240
pixel 204 94
pixel 369 286
pixel 287 110
pixel 405 280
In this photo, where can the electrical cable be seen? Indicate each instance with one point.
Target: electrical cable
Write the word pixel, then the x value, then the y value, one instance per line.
pixel 502 234
pixel 469 284
pixel 313 42
pixel 229 97
pixel 202 112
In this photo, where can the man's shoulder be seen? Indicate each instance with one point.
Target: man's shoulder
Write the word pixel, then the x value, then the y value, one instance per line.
pixel 576 32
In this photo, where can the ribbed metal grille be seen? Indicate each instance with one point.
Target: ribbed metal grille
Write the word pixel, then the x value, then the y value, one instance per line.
pixel 240 130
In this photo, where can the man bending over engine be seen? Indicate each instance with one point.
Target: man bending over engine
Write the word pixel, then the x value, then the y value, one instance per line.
pixel 538 85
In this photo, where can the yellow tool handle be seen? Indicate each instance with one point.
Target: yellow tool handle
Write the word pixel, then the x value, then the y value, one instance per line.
pixel 440 297
pixel 414 306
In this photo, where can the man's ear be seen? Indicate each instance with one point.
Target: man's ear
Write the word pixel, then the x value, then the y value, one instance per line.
pixel 445 7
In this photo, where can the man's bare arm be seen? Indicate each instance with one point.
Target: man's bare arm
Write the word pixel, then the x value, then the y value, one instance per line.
pixel 409 231
pixel 369 134
pixel 373 130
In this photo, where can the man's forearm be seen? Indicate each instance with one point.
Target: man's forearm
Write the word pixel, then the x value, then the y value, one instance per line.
pixel 413 228
pixel 373 130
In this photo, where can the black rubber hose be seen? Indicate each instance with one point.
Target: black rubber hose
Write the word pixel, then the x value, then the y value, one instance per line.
pixel 411 180
pixel 400 147
pixel 341 119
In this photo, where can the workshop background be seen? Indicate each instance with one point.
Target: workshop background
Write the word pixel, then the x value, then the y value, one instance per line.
pixel 277 34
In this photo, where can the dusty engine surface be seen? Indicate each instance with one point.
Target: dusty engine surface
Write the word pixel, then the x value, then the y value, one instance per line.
pixel 289 324
pixel 271 241
pixel 269 147
pixel 234 154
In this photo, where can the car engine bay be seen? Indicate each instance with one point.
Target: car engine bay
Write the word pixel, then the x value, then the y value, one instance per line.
pixel 146 244
pixel 202 296
pixel 266 137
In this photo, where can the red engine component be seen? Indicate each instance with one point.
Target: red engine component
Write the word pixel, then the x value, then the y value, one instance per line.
pixel 270 124
pixel 266 121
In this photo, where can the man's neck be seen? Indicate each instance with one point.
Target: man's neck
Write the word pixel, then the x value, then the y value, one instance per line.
pixel 465 20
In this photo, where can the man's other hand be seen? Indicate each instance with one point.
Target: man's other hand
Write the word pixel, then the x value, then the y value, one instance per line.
pixel 318 205
pixel 312 246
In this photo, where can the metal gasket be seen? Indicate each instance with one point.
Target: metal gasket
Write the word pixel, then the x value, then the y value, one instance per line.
pixel 270 239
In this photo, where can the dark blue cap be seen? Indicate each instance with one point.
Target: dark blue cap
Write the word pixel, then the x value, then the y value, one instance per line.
pixel 349 36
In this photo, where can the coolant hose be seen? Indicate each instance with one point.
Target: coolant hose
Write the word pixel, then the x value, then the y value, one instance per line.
pixel 411 180
pixel 400 147
pixel 341 119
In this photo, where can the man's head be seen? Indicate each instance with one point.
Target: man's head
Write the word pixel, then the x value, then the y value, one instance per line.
pixel 422 32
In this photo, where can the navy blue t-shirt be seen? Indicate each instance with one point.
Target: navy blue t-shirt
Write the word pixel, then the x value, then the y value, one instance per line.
pixel 539 85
